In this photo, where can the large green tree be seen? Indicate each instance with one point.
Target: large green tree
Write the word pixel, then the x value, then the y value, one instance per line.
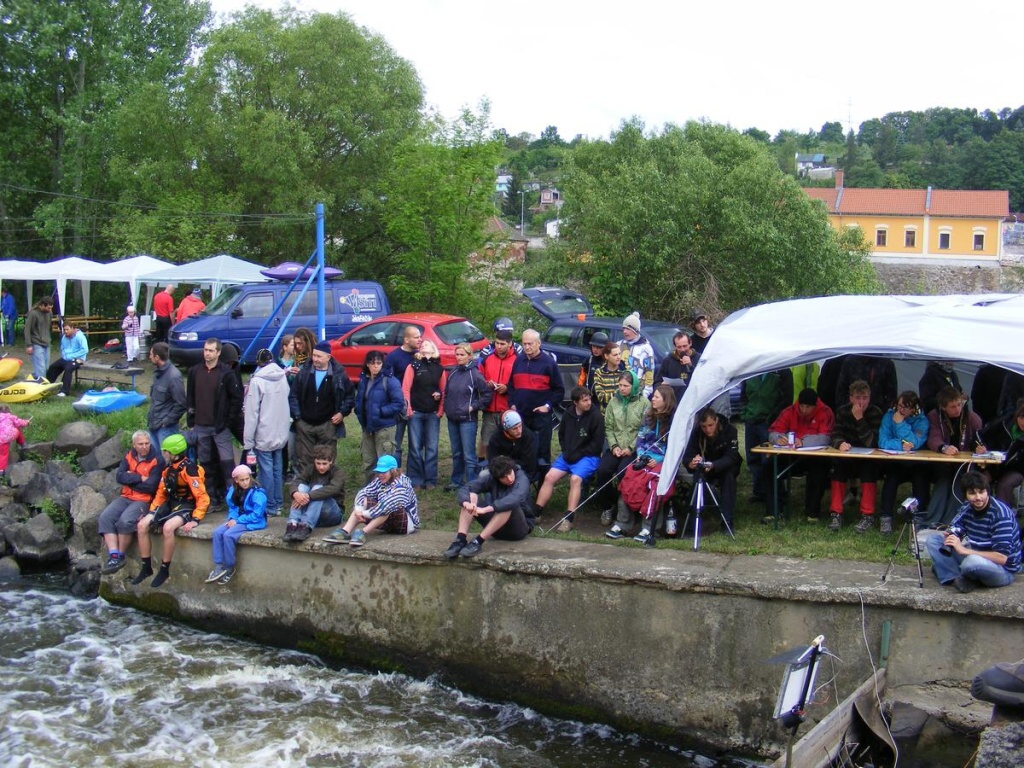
pixel 697 215
pixel 438 198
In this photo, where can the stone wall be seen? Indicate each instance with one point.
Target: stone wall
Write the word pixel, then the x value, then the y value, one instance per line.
pixel 669 642
pixel 933 279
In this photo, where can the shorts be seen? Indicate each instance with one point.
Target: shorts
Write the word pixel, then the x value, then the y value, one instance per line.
pixel 165 512
pixel 584 468
pixel 397 522
pixel 122 516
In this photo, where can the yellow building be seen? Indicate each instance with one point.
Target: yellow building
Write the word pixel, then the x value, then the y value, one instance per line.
pixel 913 224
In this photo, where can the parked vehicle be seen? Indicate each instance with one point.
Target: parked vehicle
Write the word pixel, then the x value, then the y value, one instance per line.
pixel 237 314
pixel 385 334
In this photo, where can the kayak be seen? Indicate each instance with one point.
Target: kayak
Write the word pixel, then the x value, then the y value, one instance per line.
pixel 9 367
pixel 27 391
pixel 287 270
pixel 107 401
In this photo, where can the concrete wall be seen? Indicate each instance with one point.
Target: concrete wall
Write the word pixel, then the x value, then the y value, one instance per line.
pixel 669 642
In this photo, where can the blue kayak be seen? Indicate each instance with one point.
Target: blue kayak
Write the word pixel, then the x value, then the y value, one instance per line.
pixel 99 401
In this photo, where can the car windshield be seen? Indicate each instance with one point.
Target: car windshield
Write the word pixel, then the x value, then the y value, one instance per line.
pixel 220 305
pixel 458 332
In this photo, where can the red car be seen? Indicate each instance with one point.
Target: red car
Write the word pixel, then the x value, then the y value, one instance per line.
pixel 385 334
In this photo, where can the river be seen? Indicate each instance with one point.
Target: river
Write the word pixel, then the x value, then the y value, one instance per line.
pixel 85 683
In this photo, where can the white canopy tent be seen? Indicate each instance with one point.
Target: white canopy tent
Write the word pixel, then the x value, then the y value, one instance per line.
pixel 986 328
pixel 214 273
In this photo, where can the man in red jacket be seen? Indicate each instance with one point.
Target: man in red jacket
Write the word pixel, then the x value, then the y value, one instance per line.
pixel 163 308
pixel 811 422
pixel 496 369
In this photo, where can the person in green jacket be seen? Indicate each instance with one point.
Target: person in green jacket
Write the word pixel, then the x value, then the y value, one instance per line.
pixel 763 398
pixel 622 421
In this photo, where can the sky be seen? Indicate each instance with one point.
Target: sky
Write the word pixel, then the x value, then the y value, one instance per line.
pixel 584 66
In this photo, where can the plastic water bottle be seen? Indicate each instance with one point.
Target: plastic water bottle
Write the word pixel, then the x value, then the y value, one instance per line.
pixel 791 440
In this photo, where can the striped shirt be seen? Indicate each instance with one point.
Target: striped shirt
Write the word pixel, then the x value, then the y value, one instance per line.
pixel 994 529
pixel 390 498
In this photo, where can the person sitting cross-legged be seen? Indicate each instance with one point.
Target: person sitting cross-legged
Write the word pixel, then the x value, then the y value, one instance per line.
pixel 386 504
pixel 319 497
pixel 498 499
pixel 982 545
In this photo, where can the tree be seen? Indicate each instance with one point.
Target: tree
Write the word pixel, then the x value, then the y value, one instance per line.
pixel 697 216
pixel 438 197
pixel 831 133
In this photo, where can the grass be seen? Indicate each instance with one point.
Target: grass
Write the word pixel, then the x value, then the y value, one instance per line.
pixel 438 510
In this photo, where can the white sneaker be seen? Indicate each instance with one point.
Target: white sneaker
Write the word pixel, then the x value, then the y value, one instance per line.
pixel 62 394
pixel 644 535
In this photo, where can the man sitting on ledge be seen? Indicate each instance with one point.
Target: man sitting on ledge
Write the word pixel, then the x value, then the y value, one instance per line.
pixel 387 504
pixel 982 544
pixel 499 500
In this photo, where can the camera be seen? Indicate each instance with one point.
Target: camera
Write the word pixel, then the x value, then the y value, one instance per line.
pixel 640 463
pixel 954 530
pixel 909 506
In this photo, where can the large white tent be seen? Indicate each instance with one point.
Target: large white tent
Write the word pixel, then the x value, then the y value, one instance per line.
pixel 214 273
pixel 986 328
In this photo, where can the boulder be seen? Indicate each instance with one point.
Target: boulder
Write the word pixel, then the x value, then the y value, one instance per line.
pixel 86 506
pixel 9 570
pixel 96 479
pixel 106 455
pixel 36 489
pixel 61 488
pixel 20 473
pixel 79 437
pixel 44 450
pixel 38 540
pixel 84 576
pixel 58 468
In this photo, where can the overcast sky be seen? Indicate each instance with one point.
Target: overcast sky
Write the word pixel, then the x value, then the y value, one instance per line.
pixel 585 65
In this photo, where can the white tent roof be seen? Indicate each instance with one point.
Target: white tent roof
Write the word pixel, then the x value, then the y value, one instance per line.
pixel 214 272
pixel 986 328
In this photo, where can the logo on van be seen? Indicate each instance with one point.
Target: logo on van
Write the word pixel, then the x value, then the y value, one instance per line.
pixel 360 302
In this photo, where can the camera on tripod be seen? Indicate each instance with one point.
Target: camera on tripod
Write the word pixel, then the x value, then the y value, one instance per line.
pixel 910 507
pixel 954 530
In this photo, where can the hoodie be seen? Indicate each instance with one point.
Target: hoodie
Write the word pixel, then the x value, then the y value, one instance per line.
pixel 815 429
pixel 267 417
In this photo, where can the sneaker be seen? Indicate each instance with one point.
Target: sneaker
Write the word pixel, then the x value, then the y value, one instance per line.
pixel 607 516
pixel 1001 684
pixel 865 524
pixel 885 526
pixel 226 576
pixel 358 539
pixel 275 512
pixel 472 549
pixel 643 536
pixel 454 549
pixel 340 536
pixel 302 532
pixel 289 532
pixel 62 394
pixel 216 573
pixel 964 584
pixel 615 533
pixel 564 527
pixel 836 522
pixel 114 564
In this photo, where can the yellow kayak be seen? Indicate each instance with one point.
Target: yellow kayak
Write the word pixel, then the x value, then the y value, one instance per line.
pixel 27 391
pixel 9 367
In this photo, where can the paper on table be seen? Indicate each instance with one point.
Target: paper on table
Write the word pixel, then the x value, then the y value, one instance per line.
pixel 858 450
pixel 811 448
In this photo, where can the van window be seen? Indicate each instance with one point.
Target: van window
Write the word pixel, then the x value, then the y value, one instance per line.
pixel 255 305
pixel 308 304
pixel 458 332
pixel 225 299
pixel 560 334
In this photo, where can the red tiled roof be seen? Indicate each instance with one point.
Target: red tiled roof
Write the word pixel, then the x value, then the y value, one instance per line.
pixel 912 202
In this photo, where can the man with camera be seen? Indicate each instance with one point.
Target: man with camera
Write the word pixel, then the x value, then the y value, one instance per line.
pixel 714 449
pixel 982 544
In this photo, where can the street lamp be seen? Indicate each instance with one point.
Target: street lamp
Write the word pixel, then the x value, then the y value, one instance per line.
pixel 522 212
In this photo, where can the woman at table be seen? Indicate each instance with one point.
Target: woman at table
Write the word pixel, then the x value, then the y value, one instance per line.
pixel 952 428
pixel 904 429
pixel 1007 435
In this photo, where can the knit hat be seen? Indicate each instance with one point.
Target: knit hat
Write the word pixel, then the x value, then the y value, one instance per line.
pixel 323 346
pixel 130 308
pixel 633 321
pixel 510 420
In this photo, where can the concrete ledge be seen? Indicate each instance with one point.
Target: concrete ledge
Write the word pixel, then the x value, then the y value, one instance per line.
pixel 664 641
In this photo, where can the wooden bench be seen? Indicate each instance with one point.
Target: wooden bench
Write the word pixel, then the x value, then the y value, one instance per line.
pixel 103 374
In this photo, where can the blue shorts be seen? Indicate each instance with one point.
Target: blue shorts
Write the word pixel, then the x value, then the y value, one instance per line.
pixel 584 468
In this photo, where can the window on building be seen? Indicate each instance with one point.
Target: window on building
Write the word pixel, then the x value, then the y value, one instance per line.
pixel 910 239
pixel 979 242
pixel 943 241
pixel 880 236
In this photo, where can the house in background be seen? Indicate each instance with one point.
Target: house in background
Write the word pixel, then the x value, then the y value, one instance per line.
pixel 806 163
pixel 549 198
pixel 916 225
pixel 502 184
pixel 505 245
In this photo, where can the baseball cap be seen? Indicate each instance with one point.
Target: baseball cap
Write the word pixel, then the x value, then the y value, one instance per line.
pixel 386 463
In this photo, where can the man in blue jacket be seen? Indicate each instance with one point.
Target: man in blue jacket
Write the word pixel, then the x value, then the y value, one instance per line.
pixel 74 348
pixel 535 388
pixel 320 398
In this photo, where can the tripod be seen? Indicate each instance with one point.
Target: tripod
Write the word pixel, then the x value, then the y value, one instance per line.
pixel 915 550
pixel 700 488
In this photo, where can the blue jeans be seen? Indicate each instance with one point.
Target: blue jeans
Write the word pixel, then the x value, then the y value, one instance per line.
pixel 948 567
pixel 319 512
pixel 462 435
pixel 271 471
pixel 162 434
pixel 424 432
pixel 40 360
pixel 9 331
pixel 224 542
